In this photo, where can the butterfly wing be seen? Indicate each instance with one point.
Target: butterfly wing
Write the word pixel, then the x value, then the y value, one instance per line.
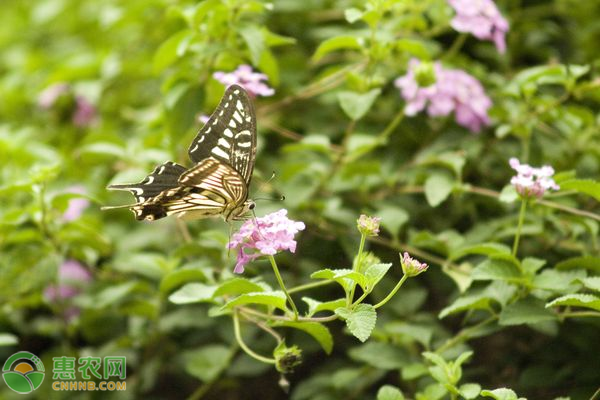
pixel 229 136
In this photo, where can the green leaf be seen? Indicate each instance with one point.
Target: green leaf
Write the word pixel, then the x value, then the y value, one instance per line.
pixel 487 249
pixel 315 306
pixel 360 320
pixel 577 300
pixel 8 339
pixel 500 394
pixel 585 186
pixel 586 262
pixel 592 283
pixel 177 278
pixel 208 362
pixel 113 294
pixel 526 311
pixel 497 269
pixel 414 47
pixel 531 264
pixel 352 14
pixel 255 41
pixel 469 390
pixel 361 144
pixel 274 299
pixel 355 104
pixel 172 49
pixel 558 281
pixel 389 392
pixel 237 286
pixel 381 355
pixel 508 194
pixel 420 333
pixel 318 331
pixel 437 189
pixel 344 277
pixel 193 293
pixel 343 42
pixel 392 218
pixel 374 273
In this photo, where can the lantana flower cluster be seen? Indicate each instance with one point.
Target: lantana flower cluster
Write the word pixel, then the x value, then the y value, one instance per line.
pixel 72 278
pixel 482 19
pixel 61 97
pixel 411 266
pixel 246 78
pixel 368 226
pixel 267 235
pixel 530 181
pixel 76 206
pixel 454 90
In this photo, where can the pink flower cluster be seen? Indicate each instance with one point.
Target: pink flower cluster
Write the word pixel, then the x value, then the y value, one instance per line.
pixel 454 90
pixel 76 206
pixel 246 78
pixel 368 226
pixel 264 236
pixel 80 111
pixel 482 19
pixel 412 267
pixel 72 277
pixel 530 181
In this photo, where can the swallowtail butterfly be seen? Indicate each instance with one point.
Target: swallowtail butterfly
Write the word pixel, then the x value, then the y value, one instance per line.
pixel 224 151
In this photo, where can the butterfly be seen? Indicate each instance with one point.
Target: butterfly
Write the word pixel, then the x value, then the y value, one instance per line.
pixel 224 151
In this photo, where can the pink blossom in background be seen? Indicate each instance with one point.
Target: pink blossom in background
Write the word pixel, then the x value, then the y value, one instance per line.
pixel 267 235
pixel 530 181
pixel 203 118
pixel 454 91
pixel 76 206
pixel 248 79
pixel 482 19
pixel 48 97
pixel 71 277
pixel 84 113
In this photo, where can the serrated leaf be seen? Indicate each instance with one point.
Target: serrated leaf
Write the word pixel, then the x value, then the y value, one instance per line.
pixel 592 283
pixel 318 331
pixel 355 104
pixel 237 286
pixel 471 302
pixel 525 311
pixel 437 189
pixel 557 281
pixel 193 293
pixel 360 320
pixel 207 362
pixel 389 392
pixel 500 394
pixel 374 273
pixel 275 299
pixel 315 306
pixel 343 42
pixel 577 300
pixel 344 277
pixel 585 186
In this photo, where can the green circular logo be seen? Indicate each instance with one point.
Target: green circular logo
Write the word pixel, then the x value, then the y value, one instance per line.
pixel 23 372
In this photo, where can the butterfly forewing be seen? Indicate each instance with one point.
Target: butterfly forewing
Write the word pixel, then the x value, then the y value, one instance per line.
pixel 224 151
pixel 230 134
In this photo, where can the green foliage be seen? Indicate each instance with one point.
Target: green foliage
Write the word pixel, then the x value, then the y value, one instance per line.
pixel 503 286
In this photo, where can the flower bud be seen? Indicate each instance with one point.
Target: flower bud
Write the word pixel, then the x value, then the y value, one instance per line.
pixel 412 267
pixel 368 226
pixel 425 74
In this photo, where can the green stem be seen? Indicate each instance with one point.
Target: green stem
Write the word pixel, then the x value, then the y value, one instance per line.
pixel 243 346
pixel 282 286
pixel 458 43
pixel 519 227
pixel 392 293
pixel 357 261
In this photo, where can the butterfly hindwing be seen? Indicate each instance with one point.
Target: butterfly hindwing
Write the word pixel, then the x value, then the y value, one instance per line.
pixel 230 134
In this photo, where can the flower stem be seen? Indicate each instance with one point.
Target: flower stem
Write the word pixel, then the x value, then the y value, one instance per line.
pixel 519 227
pixel 243 346
pixel 357 261
pixel 282 286
pixel 392 293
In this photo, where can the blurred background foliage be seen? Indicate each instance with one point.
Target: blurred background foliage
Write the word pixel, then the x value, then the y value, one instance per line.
pixel 336 136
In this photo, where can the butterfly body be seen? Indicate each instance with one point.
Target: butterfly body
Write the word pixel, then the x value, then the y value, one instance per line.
pixel 224 152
